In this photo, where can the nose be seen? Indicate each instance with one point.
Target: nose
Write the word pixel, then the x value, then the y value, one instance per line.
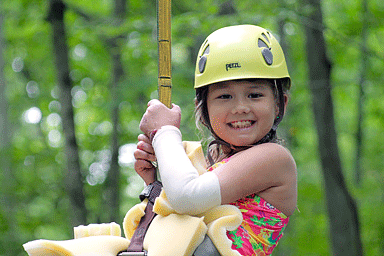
pixel 240 107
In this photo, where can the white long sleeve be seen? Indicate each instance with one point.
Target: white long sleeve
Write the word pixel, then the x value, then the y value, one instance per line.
pixel 187 192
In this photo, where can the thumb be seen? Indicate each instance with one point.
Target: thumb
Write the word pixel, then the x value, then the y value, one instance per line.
pixel 175 108
pixel 154 102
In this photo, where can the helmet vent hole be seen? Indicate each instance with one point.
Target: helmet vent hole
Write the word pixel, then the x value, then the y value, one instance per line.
pixel 268 56
pixel 206 51
pixel 262 44
pixel 266 38
pixel 203 59
pixel 202 63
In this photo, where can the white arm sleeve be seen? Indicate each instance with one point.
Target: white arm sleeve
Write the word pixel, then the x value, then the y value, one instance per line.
pixel 187 192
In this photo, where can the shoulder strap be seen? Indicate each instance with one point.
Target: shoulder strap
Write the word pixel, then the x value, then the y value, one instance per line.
pixel 151 192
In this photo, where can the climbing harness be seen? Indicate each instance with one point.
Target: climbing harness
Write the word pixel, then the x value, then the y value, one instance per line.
pixel 151 192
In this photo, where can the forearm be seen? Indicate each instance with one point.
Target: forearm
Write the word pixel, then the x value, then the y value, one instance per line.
pixel 187 192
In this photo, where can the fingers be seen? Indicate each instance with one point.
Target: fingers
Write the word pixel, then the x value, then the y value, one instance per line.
pixel 176 108
pixel 144 138
pixel 146 171
pixel 143 166
pixel 154 102
pixel 140 154
pixel 145 144
pixel 157 102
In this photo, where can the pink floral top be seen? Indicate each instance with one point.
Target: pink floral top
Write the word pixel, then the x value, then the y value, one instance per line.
pixel 262 225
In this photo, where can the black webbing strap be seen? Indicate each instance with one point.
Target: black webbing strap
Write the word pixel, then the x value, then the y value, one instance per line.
pixel 151 192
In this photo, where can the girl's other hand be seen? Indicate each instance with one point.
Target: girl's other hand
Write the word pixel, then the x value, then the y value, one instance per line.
pixel 158 115
pixel 144 155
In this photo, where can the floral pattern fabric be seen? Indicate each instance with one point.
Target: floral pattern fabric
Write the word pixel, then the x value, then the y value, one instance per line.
pixel 262 225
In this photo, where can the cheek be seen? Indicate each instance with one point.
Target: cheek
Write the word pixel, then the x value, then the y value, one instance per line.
pixel 215 123
pixel 215 118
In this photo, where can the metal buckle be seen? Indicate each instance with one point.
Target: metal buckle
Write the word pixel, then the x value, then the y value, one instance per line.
pixel 144 253
pixel 146 192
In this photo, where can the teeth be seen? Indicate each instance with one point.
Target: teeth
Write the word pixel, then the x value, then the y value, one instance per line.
pixel 241 124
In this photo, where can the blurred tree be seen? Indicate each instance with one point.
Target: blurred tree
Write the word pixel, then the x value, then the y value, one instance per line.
pixel 7 220
pixel 112 182
pixel 73 178
pixel 227 8
pixel 344 222
pixel 362 82
pixel 36 151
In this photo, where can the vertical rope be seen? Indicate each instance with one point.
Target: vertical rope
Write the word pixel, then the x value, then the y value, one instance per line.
pixel 164 49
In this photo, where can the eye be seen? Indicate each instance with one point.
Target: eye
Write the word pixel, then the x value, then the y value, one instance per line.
pixel 255 95
pixel 225 96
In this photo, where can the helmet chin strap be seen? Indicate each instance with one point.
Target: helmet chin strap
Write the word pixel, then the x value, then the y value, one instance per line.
pixel 279 89
pixel 267 138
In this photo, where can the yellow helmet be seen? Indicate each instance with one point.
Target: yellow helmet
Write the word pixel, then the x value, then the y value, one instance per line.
pixel 240 52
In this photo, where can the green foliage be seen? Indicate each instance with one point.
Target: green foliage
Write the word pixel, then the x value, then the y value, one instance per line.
pixel 39 204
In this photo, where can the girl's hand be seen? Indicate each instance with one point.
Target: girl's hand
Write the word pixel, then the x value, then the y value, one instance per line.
pixel 158 115
pixel 144 155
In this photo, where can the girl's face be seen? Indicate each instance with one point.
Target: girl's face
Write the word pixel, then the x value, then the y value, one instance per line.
pixel 241 112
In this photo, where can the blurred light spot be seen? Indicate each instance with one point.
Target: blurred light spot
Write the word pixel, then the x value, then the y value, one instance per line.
pixel 40 207
pixel 29 160
pixel 17 64
pixel 75 89
pixel 126 157
pixel 33 115
pixel 54 120
pixel 104 128
pixel 104 155
pixel 54 106
pixel 59 158
pixel 136 53
pixel 154 95
pixel 125 106
pixel 134 39
pixel 87 83
pixel 79 97
pixel 289 28
pixel 135 186
pixel 55 92
pixel 179 54
pixel 87 157
pixel 54 138
pixel 75 75
pixel 92 128
pixel 97 173
pixel 133 127
pixel 32 89
pixel 80 52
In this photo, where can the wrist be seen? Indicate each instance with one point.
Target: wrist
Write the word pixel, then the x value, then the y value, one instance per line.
pixel 165 130
pixel 152 134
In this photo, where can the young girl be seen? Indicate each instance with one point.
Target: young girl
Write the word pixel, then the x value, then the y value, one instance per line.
pixel 241 81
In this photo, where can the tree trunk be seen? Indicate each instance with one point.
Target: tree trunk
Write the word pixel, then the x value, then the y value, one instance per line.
pixel 344 224
pixel 360 108
pixel 227 8
pixel 73 178
pixel 112 189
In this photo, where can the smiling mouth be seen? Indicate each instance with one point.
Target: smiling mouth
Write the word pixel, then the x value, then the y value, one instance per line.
pixel 241 124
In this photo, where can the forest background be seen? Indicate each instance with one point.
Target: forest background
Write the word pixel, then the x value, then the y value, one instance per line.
pixel 112 74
